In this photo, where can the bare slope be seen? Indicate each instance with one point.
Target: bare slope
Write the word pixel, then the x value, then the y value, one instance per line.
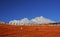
pixel 7 30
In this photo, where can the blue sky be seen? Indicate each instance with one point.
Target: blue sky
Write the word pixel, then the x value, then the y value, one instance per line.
pixel 18 9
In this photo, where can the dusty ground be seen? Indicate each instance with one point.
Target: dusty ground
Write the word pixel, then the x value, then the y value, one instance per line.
pixel 29 31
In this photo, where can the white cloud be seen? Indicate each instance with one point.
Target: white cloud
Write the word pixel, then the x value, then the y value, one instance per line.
pixel 26 21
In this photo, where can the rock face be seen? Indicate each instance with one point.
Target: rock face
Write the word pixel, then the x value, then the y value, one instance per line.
pixel 7 30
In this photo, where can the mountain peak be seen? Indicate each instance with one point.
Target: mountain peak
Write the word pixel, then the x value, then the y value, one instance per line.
pixel 36 20
pixel 41 17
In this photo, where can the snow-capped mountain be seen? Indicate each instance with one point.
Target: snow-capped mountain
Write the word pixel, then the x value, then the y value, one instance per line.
pixel 36 20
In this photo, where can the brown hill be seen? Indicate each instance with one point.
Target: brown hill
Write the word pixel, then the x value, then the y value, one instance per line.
pixel 7 30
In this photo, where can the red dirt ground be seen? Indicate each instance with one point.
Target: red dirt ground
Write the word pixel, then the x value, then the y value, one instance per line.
pixel 29 31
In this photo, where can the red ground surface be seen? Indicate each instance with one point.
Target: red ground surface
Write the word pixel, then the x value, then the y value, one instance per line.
pixel 29 31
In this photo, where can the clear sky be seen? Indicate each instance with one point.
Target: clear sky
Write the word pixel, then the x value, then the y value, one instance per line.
pixel 18 9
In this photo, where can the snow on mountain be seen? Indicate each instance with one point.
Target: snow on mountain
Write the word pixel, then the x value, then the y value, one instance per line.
pixel 41 19
pixel 36 20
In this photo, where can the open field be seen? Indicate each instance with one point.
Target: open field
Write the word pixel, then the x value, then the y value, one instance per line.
pixel 29 31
